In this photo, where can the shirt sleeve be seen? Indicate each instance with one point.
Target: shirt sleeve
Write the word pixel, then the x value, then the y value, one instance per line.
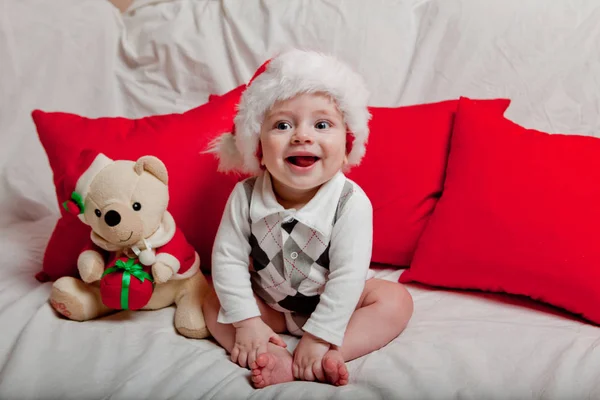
pixel 350 257
pixel 230 261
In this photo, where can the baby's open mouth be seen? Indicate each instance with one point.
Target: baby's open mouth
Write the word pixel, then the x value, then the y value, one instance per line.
pixel 302 161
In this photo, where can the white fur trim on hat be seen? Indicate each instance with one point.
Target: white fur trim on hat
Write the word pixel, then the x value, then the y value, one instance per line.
pixel 85 180
pixel 289 74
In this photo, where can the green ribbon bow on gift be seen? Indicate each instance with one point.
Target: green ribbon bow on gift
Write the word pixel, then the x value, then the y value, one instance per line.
pixel 129 268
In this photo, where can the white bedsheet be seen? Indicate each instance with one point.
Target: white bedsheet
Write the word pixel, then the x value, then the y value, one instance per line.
pixel 458 345
pixel 165 56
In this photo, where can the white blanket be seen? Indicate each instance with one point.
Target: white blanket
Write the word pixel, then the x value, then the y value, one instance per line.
pixel 82 56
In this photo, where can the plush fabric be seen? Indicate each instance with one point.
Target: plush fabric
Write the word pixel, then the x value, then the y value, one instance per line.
pixel 139 290
pixel 403 172
pixel 519 214
pixel 198 193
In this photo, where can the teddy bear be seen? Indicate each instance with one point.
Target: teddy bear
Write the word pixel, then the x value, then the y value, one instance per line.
pixel 136 257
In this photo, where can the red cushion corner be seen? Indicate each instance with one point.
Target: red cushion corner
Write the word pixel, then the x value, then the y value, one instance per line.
pixel 519 214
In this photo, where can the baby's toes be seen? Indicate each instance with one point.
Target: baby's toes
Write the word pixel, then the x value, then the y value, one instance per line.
pixel 343 375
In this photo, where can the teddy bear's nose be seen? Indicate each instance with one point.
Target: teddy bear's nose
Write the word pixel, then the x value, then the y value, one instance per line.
pixel 112 218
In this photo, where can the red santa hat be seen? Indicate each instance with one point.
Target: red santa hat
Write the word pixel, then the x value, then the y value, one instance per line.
pixel 284 76
pixel 77 180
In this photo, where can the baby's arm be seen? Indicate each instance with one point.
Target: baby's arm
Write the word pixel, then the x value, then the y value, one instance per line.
pixel 230 260
pixel 231 279
pixel 350 257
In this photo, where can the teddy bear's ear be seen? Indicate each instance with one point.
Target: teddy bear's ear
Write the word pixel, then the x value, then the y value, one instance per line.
pixel 154 166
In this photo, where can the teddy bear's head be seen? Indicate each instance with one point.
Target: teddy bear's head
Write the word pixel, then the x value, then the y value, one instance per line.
pixel 126 200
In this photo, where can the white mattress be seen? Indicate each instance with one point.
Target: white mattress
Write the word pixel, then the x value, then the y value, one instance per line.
pixel 165 56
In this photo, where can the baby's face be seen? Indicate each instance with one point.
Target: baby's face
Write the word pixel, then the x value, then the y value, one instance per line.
pixel 303 142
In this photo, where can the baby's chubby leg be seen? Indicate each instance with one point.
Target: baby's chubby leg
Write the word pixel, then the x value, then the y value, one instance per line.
pixel 274 366
pixel 382 313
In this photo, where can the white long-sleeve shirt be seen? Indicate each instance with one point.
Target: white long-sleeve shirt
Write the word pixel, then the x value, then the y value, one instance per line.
pixel 294 259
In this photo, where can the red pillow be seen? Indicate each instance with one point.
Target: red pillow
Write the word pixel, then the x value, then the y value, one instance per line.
pixel 198 193
pixel 519 214
pixel 403 172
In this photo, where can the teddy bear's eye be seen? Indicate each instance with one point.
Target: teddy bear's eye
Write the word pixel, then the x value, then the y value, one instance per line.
pixel 136 206
pixel 98 213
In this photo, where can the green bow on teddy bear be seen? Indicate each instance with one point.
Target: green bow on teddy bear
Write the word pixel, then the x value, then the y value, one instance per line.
pixel 129 268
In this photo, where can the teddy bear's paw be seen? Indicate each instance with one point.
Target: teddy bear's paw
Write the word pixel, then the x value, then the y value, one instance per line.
pixel 76 299
pixel 64 299
pixel 189 318
pixel 90 265
pixel 161 272
pixel 199 333
pixel 189 321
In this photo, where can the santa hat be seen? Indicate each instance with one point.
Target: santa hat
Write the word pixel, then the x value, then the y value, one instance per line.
pixel 77 180
pixel 286 75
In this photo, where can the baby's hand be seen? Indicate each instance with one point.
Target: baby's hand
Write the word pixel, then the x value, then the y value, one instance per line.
pixel 251 338
pixel 308 358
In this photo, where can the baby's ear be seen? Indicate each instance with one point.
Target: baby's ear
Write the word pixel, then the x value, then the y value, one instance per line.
pixel 349 141
pixel 152 165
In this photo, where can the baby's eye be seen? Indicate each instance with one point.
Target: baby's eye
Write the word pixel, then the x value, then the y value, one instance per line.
pixel 322 125
pixel 282 126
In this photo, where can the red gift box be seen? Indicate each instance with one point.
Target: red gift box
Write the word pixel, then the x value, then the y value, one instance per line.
pixel 126 285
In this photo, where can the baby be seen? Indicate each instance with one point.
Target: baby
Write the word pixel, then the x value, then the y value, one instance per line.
pixel 293 249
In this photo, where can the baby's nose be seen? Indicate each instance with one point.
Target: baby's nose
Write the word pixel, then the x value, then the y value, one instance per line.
pixel 302 135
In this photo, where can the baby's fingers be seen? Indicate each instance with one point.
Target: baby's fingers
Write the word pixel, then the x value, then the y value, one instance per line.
pixel 254 353
pixel 308 374
pixel 277 340
pixel 317 369
pixel 296 370
pixel 252 357
pixel 234 354
pixel 243 358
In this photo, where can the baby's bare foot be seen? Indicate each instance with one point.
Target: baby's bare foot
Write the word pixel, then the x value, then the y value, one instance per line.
pixel 272 367
pixel 335 369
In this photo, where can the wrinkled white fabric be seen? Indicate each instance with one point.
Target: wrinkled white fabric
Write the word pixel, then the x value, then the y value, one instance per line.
pixel 82 56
